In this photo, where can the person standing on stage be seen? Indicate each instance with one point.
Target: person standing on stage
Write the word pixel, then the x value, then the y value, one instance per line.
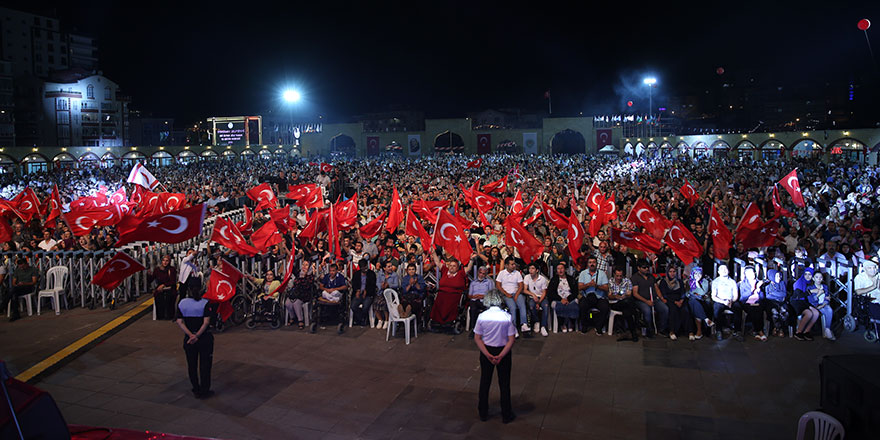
pixel 193 317
pixel 494 334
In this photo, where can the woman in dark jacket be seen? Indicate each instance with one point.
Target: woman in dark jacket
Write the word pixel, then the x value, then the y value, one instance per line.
pixel 562 293
pixel 672 292
pixel 363 288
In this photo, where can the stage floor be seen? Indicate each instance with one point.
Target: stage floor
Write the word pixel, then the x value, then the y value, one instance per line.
pixel 291 384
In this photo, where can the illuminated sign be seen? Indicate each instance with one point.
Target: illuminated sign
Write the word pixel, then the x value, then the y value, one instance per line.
pixel 231 133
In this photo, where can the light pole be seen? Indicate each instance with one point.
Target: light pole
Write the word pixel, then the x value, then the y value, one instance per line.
pixel 650 82
pixel 291 97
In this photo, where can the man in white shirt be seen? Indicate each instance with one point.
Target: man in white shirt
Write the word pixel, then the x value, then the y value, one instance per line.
pixel 725 297
pixel 510 283
pixel 535 288
pixel 48 243
pixel 190 277
pixel 494 334
pixel 593 286
pixel 868 283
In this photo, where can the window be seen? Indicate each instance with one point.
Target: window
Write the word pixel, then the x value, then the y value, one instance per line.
pixel 90 92
pixel 61 104
pixel 51 59
pixel 51 47
pixel 64 118
pixel 108 95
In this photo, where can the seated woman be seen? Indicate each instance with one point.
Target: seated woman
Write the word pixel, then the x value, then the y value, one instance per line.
pixel 562 293
pixel 751 296
pixel 412 293
pixel 300 295
pixel 451 286
pixel 269 287
pixel 672 294
pixel 820 303
pixel 810 301
pixel 699 301
pixel 775 296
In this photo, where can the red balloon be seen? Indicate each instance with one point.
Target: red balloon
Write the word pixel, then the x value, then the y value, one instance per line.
pixel 629 103
pixel 720 71
pixel 864 24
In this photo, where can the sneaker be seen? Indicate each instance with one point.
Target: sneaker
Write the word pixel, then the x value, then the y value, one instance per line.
pixel 564 329
pixel 384 325
pixel 372 324
pixel 672 336
pixel 537 327
pixel 379 324
pixel 698 337
pixel 598 332
pixel 517 335
pixel 829 335
pixel 691 337
pixel 807 336
pixel 544 331
pixel 524 328
pixel 709 322
pixel 800 337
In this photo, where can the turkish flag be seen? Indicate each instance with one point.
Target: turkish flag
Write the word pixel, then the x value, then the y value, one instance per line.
pixel 395 213
pixel 299 191
pixel 112 215
pixel 53 203
pixel 554 217
pixel 480 200
pixel 372 228
pixel 575 236
pixel 346 213
pixel 531 219
pixel 288 271
pixel 414 228
pixel 150 204
pixel 326 168
pixel 316 224
pixel 595 198
pixel 484 143
pixel 778 210
pixel 644 215
pixel 597 220
pixel 118 196
pixel 683 243
pixel 760 237
pixel 171 202
pixel 173 227
pixel 609 208
pixel 263 195
pixel 603 138
pixel 791 184
pixel 517 206
pixel 27 204
pixel 449 234
pixel 266 236
pixel 517 236
pixel 721 236
pixel 475 163
pixel 5 230
pixel 281 217
pixel 314 199
pixel 222 282
pixel 247 226
pixel 116 270
pixel 372 145
pixel 636 240
pixel 750 220
pixel 333 235
pixel 428 209
pixel 689 193
pixel 498 186
pixel 81 221
pixel 227 234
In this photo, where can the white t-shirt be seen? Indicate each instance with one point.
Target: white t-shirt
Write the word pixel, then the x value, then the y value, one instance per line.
pixel 862 281
pixel 494 326
pixel 509 280
pixel 47 245
pixel 536 286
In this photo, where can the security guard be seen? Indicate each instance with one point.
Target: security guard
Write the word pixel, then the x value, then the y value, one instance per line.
pixel 494 334
pixel 193 317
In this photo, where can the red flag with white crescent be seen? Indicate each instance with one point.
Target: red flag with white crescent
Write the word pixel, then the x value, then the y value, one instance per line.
pixel 173 227
pixel 791 184
pixel 595 198
pixel 575 236
pixel 116 270
pixel 227 234
pixel 683 243
pixel 517 236
pixel 721 236
pixel 450 235
pixel 263 195
pixel 636 240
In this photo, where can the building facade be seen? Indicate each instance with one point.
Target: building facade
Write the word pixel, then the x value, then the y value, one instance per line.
pixel 88 111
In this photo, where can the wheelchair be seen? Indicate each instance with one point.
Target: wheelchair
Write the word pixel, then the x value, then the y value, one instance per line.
pixel 862 315
pixel 265 310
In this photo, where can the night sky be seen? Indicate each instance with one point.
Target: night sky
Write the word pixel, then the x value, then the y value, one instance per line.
pixel 190 61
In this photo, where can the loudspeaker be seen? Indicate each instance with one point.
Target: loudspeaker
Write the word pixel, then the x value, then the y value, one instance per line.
pixel 851 393
pixel 38 415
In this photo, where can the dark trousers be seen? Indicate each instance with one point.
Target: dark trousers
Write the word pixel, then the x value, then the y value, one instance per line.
pixel 192 284
pixel 165 303
pixel 591 301
pixel 755 315
pixel 199 357
pixel 12 295
pixel 361 314
pixel 628 309
pixel 476 307
pixel 414 301
pixel 721 317
pixel 680 317
pixel 486 371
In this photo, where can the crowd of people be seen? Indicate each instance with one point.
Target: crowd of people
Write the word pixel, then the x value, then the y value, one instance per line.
pixel 787 283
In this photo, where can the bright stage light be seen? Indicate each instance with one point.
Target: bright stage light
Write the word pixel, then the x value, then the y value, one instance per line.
pixel 291 95
pixel 650 81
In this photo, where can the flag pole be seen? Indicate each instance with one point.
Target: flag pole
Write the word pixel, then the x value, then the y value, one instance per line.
pixel 550 103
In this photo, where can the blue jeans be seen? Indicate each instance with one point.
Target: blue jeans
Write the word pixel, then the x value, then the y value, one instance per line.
pixel 698 308
pixel 545 310
pixel 827 313
pixel 518 305
pixel 660 309
pixel 361 314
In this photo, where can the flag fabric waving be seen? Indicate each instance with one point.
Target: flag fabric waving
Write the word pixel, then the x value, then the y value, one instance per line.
pixel 247 226
pixel 475 163
pixel 721 236
pixel 636 240
pixel 498 186
pixel 299 191
pixel 141 176
pixel 644 215
pixel 173 227
pixel 689 193
pixel 266 236
pixel 554 217
pixel 372 228
pixel 778 210
pixel 449 234
pixel 762 236
pixel 683 242
pixel 791 184
pixel 414 228
pixel 116 270
pixel 517 236
pixel 575 236
pixel 595 197
pixel 750 220
pixel 227 234
pixel 314 199
pixel 263 195
pixel 395 212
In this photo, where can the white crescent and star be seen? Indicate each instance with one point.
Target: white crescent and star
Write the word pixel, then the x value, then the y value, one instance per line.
pixel 753 219
pixel 443 230
pixel 79 224
pixel 513 233
pixel 517 202
pixel 625 235
pixel 574 231
pixel 182 224
pixel 613 207
pixel 30 205
pixel 268 197
pixel 222 296
pixel 639 216
pixel 593 199
pixel 111 268
pixel 681 240
pixel 793 183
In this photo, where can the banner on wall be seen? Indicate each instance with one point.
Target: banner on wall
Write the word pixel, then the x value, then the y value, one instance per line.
pixel 603 138
pixel 372 145
pixel 484 143
pixel 414 142
pixel 530 143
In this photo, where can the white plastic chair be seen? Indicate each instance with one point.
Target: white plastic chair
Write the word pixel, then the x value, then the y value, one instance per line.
pixel 370 313
pixel 825 426
pixel 612 313
pixel 27 298
pixel 55 282
pixel 394 316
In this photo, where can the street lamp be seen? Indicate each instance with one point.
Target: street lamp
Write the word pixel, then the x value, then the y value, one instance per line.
pixel 650 82
pixel 291 95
